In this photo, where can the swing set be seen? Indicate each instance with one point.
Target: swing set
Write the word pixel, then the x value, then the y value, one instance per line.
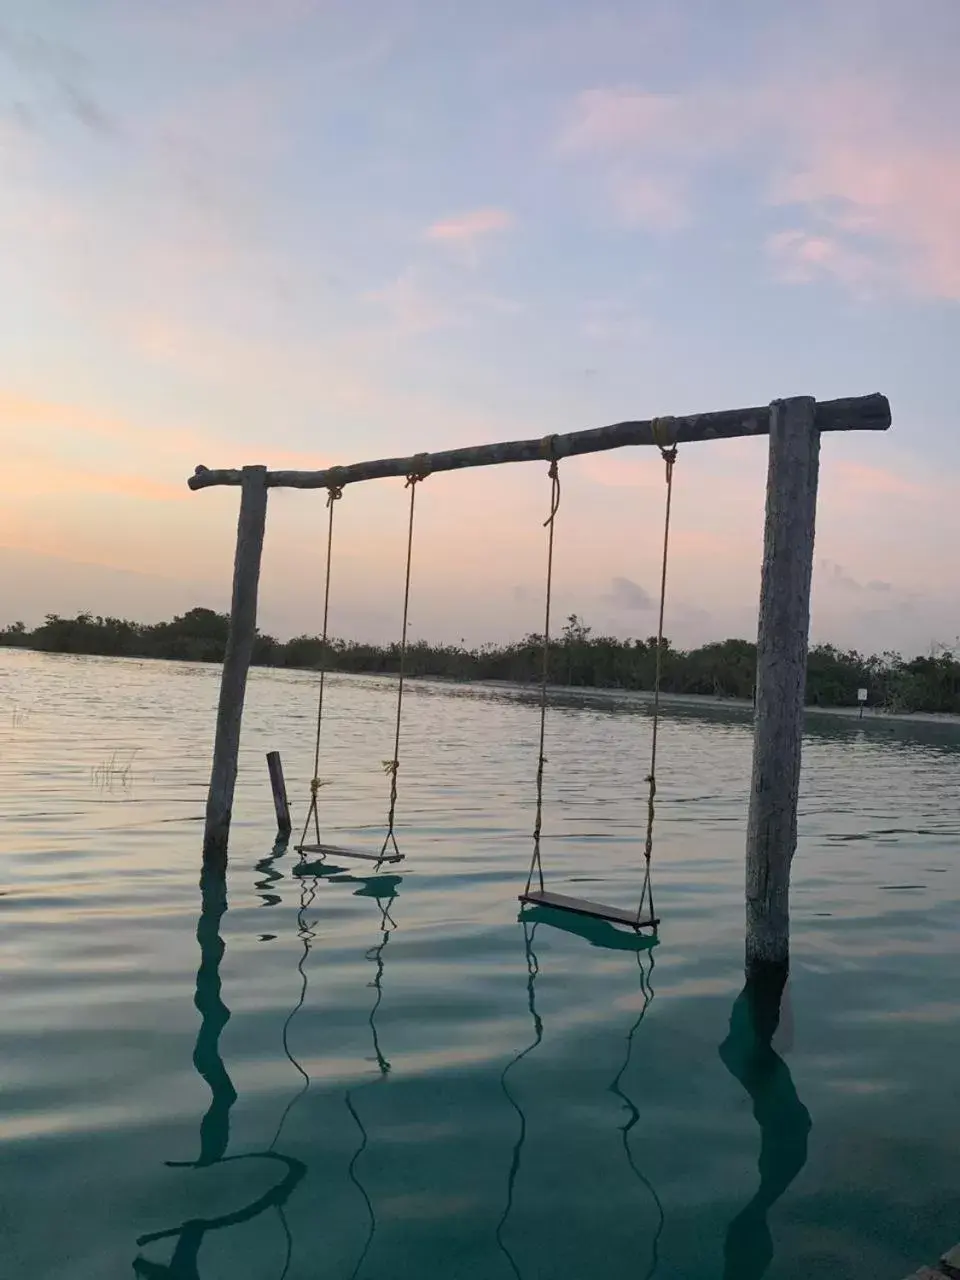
pixel 794 427
pixel 643 916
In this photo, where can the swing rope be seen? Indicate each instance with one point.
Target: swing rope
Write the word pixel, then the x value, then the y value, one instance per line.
pixel 548 449
pixel 392 767
pixel 669 454
pixel 334 494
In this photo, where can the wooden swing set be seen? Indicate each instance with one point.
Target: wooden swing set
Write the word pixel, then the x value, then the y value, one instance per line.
pixel 794 427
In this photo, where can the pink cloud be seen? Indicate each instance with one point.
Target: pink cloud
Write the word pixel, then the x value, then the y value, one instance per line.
pixel 612 119
pixel 859 479
pixel 655 202
pixel 412 308
pixel 872 169
pixel 800 257
pixel 467 228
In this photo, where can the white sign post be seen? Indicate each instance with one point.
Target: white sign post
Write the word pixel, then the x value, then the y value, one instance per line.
pixel 861 698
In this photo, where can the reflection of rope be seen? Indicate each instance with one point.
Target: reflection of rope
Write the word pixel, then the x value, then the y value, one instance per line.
pixel 308 891
pixel 646 987
pixel 351 1171
pixel 533 968
pixel 376 956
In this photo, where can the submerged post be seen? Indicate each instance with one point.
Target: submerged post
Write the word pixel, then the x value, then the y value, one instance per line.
pixel 279 788
pixel 236 662
pixel 784 625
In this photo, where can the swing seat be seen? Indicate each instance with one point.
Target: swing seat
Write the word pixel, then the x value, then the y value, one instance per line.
pixel 581 907
pixel 337 851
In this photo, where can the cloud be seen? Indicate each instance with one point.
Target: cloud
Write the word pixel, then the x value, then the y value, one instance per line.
pixel 858 479
pixel 655 202
pixel 800 257
pixel 410 306
pixel 467 228
pixel 626 594
pixel 838 576
pixel 613 120
pixel 869 165
pixel 61 66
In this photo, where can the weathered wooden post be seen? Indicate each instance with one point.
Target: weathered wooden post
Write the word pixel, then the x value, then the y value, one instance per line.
pixel 279 788
pixel 236 662
pixel 784 626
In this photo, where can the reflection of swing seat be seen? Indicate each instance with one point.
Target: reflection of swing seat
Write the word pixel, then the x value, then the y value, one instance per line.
pixel 581 907
pixel 338 851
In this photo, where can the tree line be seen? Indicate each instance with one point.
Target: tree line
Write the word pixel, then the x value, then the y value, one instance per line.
pixel 577 657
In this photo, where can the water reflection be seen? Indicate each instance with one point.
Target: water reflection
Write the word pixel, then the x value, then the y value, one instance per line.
pixel 533 968
pixel 384 890
pixel 215 1125
pixel 598 933
pixel 784 1121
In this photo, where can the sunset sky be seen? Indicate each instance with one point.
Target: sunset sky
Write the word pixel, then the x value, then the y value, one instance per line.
pixel 301 232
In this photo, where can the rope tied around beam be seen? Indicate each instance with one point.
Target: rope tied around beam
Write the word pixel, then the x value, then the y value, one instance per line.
pixel 336 482
pixel 536 863
pixel 419 471
pixel 334 494
pixel 662 433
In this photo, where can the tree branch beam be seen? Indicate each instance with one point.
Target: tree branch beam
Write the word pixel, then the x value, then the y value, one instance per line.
pixel 857 413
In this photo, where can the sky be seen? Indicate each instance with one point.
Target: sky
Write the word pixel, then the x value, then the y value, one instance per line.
pixel 318 231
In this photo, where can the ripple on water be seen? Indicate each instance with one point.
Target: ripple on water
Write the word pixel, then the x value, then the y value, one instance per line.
pixel 441 1089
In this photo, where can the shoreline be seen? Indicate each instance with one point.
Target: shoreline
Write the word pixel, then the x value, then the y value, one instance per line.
pixel 597 693
pixel 705 701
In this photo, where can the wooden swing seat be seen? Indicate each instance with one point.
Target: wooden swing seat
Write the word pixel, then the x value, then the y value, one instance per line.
pixel 337 851
pixel 581 907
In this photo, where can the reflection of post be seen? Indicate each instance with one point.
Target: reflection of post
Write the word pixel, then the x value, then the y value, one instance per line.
pixel 784 1121
pixel 215 1125
pixel 214 1016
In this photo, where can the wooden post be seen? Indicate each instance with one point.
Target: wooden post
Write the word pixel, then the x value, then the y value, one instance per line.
pixel 781 676
pixel 279 789
pixel 236 662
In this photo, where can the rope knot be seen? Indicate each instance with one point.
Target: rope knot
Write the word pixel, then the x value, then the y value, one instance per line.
pixel 663 429
pixel 336 478
pixel 391 767
pixel 316 784
pixel 422 467
pixel 548 449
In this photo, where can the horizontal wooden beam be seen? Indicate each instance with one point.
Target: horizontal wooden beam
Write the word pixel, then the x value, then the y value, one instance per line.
pixel 858 413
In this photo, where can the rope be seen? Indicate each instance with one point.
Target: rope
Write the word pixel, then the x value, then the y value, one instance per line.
pixel 669 454
pixel 548 448
pixel 392 767
pixel 334 493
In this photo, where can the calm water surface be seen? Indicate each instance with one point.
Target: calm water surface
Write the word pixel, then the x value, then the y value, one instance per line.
pixel 331 1074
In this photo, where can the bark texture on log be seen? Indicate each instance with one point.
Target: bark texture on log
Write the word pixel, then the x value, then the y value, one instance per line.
pixel 783 630
pixel 856 413
pixel 236 663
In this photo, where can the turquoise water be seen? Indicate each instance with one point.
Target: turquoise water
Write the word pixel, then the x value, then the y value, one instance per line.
pixel 445 1091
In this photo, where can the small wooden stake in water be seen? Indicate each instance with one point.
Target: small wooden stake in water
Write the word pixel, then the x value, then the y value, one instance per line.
pixel 861 698
pixel 279 789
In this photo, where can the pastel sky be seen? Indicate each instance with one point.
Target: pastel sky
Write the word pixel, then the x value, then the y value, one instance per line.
pixel 314 231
